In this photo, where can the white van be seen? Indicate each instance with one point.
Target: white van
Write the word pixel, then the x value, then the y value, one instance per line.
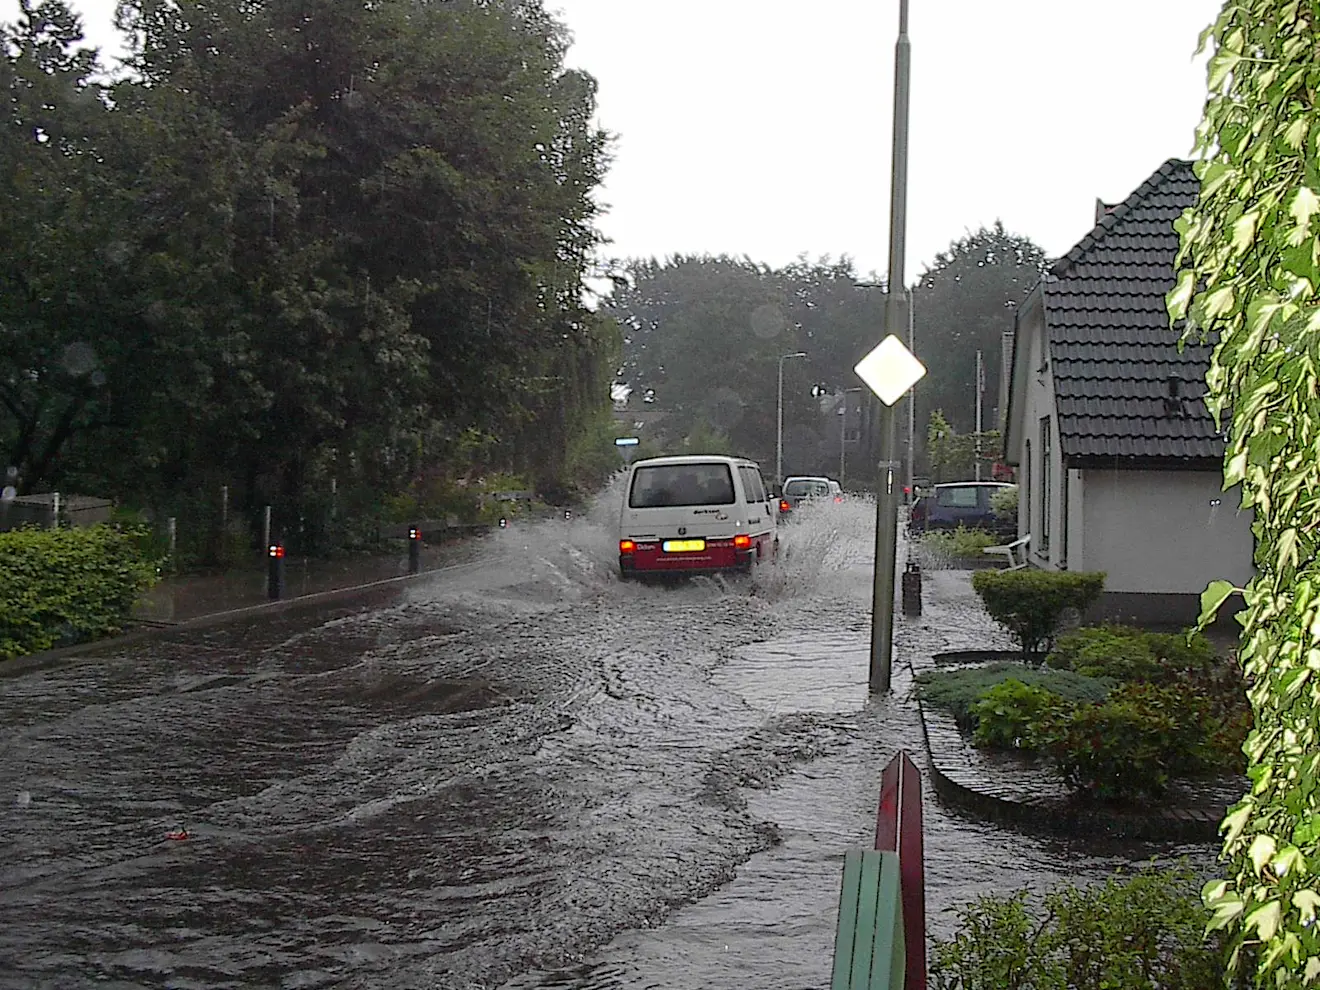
pixel 696 514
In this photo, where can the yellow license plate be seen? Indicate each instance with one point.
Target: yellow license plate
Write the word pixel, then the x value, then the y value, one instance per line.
pixel 683 546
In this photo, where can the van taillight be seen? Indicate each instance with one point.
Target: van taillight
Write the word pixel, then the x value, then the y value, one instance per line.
pixel 627 546
pixel 783 505
pixel 742 542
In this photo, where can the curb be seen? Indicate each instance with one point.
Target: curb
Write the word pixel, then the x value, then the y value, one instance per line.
pixel 47 659
pixel 963 785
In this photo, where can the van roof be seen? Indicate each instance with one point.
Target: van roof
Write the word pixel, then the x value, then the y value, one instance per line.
pixel 693 459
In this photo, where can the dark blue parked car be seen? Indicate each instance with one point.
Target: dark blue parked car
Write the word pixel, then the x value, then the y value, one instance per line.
pixel 959 503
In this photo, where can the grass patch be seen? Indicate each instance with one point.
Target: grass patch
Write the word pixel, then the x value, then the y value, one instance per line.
pixel 958 690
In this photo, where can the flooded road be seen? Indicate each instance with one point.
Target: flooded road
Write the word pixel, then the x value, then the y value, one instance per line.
pixel 516 774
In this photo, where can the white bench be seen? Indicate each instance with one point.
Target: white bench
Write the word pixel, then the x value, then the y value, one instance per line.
pixel 1015 553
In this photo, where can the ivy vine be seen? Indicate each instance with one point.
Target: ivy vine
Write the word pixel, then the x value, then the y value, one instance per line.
pixel 1249 282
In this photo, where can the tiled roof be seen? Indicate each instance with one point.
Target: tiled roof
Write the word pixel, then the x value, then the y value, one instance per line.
pixel 1111 349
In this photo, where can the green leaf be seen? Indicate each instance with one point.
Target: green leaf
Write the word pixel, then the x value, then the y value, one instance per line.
pixel 1308 903
pixel 1265 920
pixel 1261 852
pixel 1293 681
pixel 1305 204
pixel 1287 860
pixel 1180 296
pixel 1244 231
pixel 1294 135
pixel 1287 552
pixel 1218 302
pixel 1220 65
pixel 1215 594
pixel 1235 821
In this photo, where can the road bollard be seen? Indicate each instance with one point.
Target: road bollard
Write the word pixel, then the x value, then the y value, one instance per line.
pixel 912 589
pixel 414 549
pixel 275 571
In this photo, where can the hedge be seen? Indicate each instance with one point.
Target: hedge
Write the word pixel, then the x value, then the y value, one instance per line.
pixel 1030 603
pixel 64 586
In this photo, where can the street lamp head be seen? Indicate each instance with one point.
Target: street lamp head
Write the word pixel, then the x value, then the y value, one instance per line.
pixel 795 354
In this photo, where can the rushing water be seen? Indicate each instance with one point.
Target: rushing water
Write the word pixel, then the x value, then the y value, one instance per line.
pixel 524 774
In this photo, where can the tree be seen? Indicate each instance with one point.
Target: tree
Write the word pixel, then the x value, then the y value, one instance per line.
pixel 1249 282
pixel 953 455
pixel 964 302
pixel 54 353
pixel 702 338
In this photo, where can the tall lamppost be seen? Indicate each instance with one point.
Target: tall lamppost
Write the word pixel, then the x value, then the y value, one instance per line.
pixel 779 409
pixel 890 370
pixel 843 427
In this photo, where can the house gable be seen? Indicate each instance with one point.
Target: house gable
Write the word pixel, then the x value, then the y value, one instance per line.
pixel 1123 390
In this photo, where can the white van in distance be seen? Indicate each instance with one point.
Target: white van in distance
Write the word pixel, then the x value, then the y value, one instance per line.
pixel 695 514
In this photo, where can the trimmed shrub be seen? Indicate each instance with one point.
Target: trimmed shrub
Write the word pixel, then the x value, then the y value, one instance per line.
pixel 1007 714
pixel 64 586
pixel 959 690
pixel 1030 604
pixel 1133 932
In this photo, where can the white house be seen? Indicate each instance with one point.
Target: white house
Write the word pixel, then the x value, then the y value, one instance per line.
pixel 1119 464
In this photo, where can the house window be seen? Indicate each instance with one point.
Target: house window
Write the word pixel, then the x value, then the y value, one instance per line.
pixel 1046 479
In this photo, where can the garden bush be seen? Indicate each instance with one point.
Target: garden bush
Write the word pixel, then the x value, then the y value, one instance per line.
pixel 1030 603
pixel 1004 504
pixel 959 690
pixel 1007 714
pixel 1125 748
pixel 960 542
pixel 1137 931
pixel 1129 653
pixel 1121 652
pixel 65 586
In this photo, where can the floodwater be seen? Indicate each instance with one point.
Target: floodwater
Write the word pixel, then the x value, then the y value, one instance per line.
pixel 518 774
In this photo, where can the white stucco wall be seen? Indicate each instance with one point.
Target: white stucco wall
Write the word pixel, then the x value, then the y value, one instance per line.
pixel 1158 531
pixel 1038 402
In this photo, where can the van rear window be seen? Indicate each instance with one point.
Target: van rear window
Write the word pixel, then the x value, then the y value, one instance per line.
pixel 681 484
pixel 796 488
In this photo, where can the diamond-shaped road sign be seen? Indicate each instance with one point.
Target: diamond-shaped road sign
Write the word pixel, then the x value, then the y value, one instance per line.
pixel 890 370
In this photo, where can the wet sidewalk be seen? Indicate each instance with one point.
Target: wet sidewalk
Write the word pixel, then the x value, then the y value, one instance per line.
pixel 181 598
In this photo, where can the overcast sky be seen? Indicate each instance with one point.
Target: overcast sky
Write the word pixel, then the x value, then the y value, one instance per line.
pixel 762 127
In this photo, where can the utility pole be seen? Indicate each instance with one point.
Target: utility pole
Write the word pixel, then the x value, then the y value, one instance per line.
pixel 886 519
pixel 779 416
pixel 980 391
pixel 912 403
